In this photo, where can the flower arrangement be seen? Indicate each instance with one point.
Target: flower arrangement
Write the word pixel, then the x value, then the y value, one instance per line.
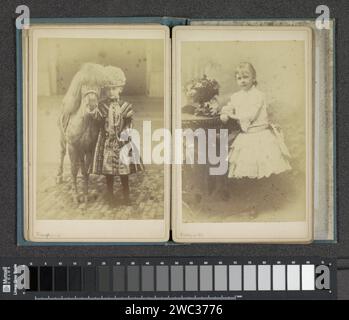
pixel 202 95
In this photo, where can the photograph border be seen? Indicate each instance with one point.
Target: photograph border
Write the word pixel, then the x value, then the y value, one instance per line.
pixel 197 232
pixel 325 110
pixel 22 93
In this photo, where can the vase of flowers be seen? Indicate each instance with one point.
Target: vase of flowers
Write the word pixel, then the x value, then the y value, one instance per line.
pixel 202 96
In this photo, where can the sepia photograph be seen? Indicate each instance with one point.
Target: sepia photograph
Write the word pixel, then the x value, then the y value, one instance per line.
pixel 251 87
pixel 90 90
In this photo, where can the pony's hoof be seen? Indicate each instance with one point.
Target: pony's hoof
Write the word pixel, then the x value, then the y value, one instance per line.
pixel 253 214
pixel 86 199
pixel 76 198
pixel 82 198
pixel 59 180
pixel 83 206
pixel 93 196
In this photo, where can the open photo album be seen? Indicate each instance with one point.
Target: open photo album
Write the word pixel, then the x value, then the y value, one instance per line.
pixel 207 132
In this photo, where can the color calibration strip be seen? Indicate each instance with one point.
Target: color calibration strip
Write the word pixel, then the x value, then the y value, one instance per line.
pixel 187 278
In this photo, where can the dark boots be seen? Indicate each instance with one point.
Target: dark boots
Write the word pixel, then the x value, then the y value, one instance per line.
pixel 109 195
pixel 125 189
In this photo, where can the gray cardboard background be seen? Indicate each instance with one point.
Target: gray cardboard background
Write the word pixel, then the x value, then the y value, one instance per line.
pixel 189 9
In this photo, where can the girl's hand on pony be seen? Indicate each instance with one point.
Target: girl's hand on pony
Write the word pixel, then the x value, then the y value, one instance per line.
pixel 130 114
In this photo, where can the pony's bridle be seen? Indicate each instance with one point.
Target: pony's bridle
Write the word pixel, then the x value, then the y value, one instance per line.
pixel 95 110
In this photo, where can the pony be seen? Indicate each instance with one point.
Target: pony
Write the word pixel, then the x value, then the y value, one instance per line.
pixel 79 125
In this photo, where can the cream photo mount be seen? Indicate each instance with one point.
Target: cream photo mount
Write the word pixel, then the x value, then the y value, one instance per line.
pixel 250 231
pixel 89 230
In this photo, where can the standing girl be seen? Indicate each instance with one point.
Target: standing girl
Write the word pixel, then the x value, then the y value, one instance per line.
pixel 116 116
pixel 259 150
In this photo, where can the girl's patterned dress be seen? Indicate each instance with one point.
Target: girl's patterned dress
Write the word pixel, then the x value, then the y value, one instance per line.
pixel 110 157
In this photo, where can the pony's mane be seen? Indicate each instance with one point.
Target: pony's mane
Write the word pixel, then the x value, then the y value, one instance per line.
pixel 91 75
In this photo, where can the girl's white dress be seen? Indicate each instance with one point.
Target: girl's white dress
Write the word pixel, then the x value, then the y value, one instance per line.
pixel 259 150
